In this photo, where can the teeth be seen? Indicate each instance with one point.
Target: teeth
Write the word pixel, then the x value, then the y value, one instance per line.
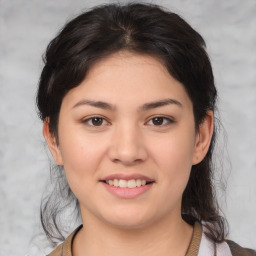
pixel 131 184
pixel 122 183
pixel 138 183
pixel 116 183
pixel 126 183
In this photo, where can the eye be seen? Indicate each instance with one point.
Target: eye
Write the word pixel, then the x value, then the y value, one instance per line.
pixel 95 121
pixel 160 121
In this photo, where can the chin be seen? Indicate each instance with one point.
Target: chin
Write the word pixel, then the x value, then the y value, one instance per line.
pixel 129 224
pixel 128 219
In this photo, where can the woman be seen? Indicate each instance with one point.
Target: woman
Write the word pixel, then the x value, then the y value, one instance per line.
pixel 127 99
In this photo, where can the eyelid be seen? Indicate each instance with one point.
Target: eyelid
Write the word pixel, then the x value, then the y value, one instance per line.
pixel 89 118
pixel 169 119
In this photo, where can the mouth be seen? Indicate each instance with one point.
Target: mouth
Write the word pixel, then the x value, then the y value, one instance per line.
pixel 127 186
pixel 131 183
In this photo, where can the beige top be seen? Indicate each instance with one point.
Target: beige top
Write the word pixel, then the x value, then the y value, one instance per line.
pixel 65 249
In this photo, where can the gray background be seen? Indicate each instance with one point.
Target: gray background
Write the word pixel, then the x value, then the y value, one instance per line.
pixel 229 28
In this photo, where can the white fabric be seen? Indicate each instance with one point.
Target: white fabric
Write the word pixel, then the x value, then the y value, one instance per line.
pixel 207 247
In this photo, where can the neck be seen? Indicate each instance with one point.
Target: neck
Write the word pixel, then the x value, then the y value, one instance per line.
pixel 168 237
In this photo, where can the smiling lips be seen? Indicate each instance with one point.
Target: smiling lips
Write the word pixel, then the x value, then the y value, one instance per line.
pixel 126 183
pixel 124 186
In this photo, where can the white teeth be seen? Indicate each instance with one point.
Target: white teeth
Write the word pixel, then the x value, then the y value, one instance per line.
pixel 116 183
pixel 131 184
pixel 126 183
pixel 122 183
pixel 138 183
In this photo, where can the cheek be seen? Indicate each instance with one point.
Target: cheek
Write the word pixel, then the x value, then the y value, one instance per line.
pixel 175 152
pixel 81 159
pixel 175 168
pixel 174 156
pixel 81 154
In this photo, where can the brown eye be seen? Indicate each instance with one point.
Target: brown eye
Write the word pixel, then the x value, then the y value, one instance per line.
pixel 158 120
pixel 97 121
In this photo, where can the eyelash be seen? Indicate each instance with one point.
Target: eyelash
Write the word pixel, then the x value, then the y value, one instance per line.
pixel 86 121
pixel 166 120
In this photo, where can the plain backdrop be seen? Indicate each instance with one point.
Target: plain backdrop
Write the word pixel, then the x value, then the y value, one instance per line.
pixel 27 26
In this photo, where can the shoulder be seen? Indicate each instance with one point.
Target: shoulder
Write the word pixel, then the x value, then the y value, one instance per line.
pixel 65 249
pixel 237 250
pixel 227 247
pixel 57 251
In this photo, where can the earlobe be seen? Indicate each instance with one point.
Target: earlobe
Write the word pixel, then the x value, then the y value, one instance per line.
pixel 52 143
pixel 204 137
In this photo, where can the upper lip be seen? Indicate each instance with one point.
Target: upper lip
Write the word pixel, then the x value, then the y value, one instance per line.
pixel 123 176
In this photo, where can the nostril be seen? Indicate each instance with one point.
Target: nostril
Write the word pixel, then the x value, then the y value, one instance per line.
pixel 127 150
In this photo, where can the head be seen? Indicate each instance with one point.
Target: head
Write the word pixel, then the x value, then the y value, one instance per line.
pixel 136 30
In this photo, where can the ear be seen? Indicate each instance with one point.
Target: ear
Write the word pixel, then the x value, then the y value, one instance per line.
pixel 203 138
pixel 52 143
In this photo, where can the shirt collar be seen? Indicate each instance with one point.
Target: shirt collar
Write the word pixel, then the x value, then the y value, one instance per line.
pixel 192 250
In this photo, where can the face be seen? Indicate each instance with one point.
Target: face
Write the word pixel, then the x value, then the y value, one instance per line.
pixel 127 141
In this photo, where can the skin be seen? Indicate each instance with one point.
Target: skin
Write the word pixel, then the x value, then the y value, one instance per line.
pixel 128 141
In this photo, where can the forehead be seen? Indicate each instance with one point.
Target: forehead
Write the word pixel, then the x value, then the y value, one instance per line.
pixel 127 59
pixel 126 77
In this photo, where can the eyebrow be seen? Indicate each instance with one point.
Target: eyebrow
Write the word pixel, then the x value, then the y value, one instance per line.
pixel 159 103
pixel 97 104
pixel 144 107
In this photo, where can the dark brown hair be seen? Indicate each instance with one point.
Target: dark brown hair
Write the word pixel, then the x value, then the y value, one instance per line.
pixel 142 29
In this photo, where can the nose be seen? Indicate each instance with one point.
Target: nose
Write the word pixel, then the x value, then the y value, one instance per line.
pixel 127 146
